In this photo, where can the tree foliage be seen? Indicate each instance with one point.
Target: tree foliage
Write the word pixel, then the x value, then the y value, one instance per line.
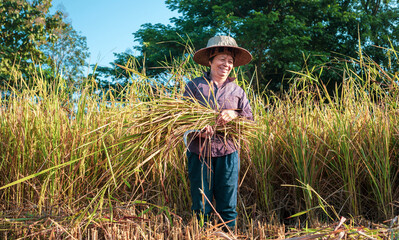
pixel 30 36
pixel 67 54
pixel 281 35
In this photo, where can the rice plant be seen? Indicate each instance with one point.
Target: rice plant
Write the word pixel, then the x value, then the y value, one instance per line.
pixel 86 162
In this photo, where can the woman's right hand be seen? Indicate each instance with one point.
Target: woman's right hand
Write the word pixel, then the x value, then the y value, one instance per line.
pixel 206 132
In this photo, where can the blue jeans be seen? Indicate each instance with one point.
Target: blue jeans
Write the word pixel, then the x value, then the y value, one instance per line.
pixel 223 185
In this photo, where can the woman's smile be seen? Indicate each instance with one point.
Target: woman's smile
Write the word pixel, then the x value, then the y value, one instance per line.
pixel 221 66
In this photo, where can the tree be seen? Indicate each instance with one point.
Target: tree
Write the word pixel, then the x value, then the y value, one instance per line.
pixel 31 37
pixel 281 35
pixel 67 54
pixel 24 26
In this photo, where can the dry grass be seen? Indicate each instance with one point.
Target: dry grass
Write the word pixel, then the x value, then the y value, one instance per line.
pixel 128 223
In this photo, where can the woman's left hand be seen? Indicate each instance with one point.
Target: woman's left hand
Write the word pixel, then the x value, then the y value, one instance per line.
pixel 226 116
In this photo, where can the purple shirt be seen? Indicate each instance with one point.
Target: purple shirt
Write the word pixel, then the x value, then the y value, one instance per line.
pixel 228 96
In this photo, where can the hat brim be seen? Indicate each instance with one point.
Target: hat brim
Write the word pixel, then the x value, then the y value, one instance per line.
pixel 242 56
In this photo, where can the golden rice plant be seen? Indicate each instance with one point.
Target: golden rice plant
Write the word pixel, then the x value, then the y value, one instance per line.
pixel 86 157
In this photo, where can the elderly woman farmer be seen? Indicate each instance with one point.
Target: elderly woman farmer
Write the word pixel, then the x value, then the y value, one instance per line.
pixel 213 161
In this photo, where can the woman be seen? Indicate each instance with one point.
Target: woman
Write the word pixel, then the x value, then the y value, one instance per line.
pixel 213 161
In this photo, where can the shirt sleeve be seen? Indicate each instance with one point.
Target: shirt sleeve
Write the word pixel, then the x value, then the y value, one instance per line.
pixel 189 90
pixel 245 107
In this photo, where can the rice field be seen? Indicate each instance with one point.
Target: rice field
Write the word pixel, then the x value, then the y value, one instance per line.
pixel 85 163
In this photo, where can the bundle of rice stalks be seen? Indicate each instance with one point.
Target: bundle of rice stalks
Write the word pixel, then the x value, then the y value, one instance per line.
pixel 157 131
pixel 151 146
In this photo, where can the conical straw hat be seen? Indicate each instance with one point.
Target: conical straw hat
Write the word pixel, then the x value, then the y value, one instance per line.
pixel 222 44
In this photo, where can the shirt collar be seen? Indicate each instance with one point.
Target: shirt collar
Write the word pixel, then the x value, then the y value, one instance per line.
pixel 208 77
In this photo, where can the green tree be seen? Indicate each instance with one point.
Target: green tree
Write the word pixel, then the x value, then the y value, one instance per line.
pixel 31 37
pixel 25 26
pixel 67 54
pixel 281 35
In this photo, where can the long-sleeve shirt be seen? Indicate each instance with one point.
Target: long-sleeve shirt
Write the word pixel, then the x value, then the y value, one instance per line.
pixel 227 96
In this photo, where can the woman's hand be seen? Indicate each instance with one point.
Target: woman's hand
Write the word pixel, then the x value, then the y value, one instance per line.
pixel 226 116
pixel 206 132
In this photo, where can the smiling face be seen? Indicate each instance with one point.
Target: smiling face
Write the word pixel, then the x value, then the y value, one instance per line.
pixel 221 66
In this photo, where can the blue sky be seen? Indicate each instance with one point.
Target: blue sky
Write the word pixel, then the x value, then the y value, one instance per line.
pixel 108 24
